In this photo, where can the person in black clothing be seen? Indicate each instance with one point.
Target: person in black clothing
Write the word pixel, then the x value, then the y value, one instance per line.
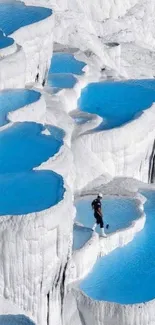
pixel 97 207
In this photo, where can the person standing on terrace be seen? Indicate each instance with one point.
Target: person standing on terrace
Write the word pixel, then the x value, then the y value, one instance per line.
pixel 97 207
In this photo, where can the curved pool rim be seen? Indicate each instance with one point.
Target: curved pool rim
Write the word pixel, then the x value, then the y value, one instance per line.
pixel 21 16
pixel 92 100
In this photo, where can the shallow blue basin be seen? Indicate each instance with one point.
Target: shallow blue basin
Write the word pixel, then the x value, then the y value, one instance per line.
pixel 117 102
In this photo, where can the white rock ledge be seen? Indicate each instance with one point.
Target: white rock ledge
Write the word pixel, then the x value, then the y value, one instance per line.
pixel 34 112
pixel 37 42
pixel 83 259
pixel 8 308
pixel 35 247
pixel 121 237
pixel 8 50
pixel 101 312
pixel 13 69
pixel 121 152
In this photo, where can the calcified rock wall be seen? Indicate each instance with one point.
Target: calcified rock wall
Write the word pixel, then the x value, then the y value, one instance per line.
pixel 37 43
pixel 34 251
pixel 90 26
pixel 100 312
pixel 124 151
pixel 34 248
pixel 12 69
pixel 28 56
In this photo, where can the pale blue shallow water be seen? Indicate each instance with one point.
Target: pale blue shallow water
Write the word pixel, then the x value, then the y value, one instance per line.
pixel 80 236
pixel 127 275
pixel 23 147
pixel 11 100
pixel 56 132
pixel 62 70
pixel 117 102
pixel 29 192
pixel 81 120
pixel 15 320
pixel 61 80
pixel 16 15
pixel 118 213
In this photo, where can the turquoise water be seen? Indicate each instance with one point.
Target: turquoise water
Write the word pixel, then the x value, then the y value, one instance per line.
pixel 23 147
pixel 15 320
pixel 56 132
pixel 80 236
pixel 29 192
pixel 62 70
pixel 11 100
pixel 15 15
pixel 61 80
pixel 118 213
pixel 5 41
pixel 66 63
pixel 127 275
pixel 117 102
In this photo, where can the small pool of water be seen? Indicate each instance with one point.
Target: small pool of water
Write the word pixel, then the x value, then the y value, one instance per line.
pixel 81 120
pixel 117 102
pixel 80 236
pixel 14 15
pixel 29 192
pixel 11 100
pixel 118 213
pixel 15 320
pixel 127 275
pixel 61 80
pixel 62 70
pixel 66 63
pixel 23 147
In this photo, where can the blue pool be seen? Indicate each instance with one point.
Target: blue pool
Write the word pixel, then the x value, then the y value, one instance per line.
pixel 63 69
pixel 15 320
pixel 80 236
pixel 127 275
pixel 61 80
pixel 66 63
pixel 14 15
pixel 118 213
pixel 117 102
pixel 5 41
pixel 23 147
pixel 29 192
pixel 56 132
pixel 11 100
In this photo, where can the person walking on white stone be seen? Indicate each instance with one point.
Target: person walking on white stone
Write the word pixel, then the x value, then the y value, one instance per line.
pixel 97 207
